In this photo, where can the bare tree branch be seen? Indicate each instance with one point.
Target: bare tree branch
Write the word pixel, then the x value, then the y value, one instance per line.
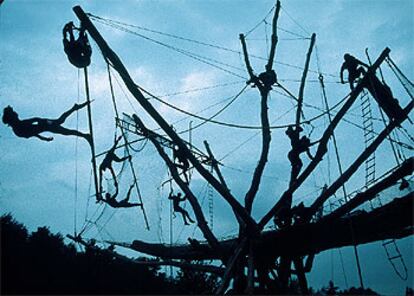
pixel 201 221
pixel 303 80
pixel 215 166
pixel 406 168
pixel 392 221
pixel 360 160
pixel 147 106
pixel 323 143
pixel 264 92
pixel 274 37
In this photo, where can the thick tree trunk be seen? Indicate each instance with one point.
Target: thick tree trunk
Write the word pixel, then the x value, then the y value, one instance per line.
pixel 392 221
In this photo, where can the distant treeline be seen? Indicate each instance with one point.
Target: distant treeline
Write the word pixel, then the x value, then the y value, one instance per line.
pixel 41 263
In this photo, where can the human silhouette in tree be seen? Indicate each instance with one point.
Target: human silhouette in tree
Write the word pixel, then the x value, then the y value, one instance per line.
pixel 78 50
pixel 176 199
pixel 352 64
pixel 268 78
pixel 181 161
pixel 124 203
pixel 265 80
pixel 107 164
pixel 299 145
pixel 33 127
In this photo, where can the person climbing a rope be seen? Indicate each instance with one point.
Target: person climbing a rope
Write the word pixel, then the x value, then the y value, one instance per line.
pixel 352 64
pixel 124 203
pixel 299 146
pixel 33 127
pixel 107 164
pixel 78 50
pixel 181 161
pixel 176 199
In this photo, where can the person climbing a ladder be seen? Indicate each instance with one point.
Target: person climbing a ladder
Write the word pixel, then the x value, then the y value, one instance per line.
pixel 78 50
pixel 176 199
pixel 352 64
pixel 124 203
pixel 299 146
pixel 33 127
pixel 107 164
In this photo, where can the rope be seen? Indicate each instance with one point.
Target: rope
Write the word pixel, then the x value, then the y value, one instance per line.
pixel 400 76
pixel 293 20
pixel 253 136
pixel 75 214
pixel 237 125
pixel 338 160
pixel 259 23
pixel 200 89
pixel 110 22
pixel 186 117
pixel 87 204
pixel 126 149
pixel 189 54
pixel 215 114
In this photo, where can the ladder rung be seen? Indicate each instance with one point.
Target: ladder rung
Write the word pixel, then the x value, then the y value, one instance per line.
pixel 395 257
pixel 365 100
pixel 384 243
pixel 366 107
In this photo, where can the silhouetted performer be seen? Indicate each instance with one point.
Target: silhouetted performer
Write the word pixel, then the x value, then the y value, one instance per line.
pixel 352 64
pixel 299 213
pixel 404 184
pixel 124 203
pixel 78 50
pixel 283 217
pixel 181 161
pixel 176 207
pixel 107 163
pixel 268 78
pixel 299 145
pixel 33 127
pixel 265 80
pixel 195 244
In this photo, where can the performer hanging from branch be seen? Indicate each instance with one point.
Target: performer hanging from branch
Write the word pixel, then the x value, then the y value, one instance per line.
pixel 78 50
pixel 299 145
pixel 354 71
pixel 176 199
pixel 124 203
pixel 107 164
pixel 33 127
pixel 181 161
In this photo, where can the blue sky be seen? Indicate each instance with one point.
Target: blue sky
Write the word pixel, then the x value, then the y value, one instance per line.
pixel 37 179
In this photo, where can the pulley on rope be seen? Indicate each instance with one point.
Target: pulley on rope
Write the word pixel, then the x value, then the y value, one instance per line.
pixel 78 50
